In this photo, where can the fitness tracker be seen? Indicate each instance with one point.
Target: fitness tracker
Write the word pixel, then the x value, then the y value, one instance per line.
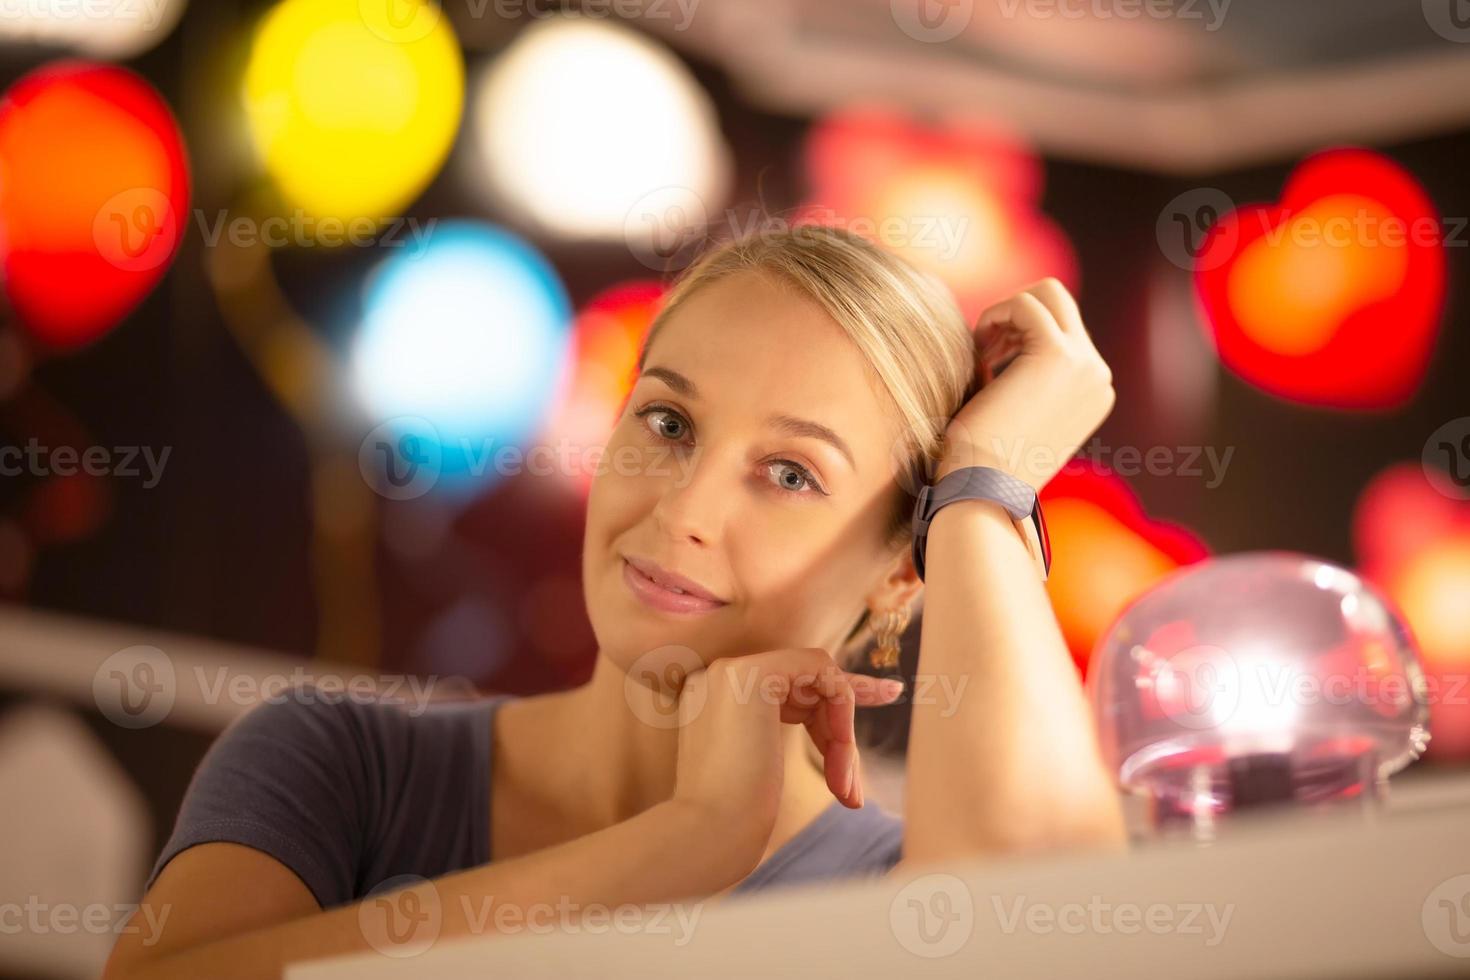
pixel 985 483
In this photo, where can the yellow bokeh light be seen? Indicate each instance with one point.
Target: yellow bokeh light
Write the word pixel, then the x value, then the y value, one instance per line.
pixel 352 116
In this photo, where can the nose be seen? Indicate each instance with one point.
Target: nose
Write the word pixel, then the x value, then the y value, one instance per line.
pixel 694 500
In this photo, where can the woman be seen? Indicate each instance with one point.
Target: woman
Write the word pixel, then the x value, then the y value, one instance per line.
pixel 792 387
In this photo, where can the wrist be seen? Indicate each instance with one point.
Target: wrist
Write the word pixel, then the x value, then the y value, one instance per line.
pixel 723 847
pixel 966 479
pixel 962 453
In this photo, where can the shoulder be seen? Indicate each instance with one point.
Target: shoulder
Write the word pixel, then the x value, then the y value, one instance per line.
pixel 315 778
pixel 300 736
pixel 338 736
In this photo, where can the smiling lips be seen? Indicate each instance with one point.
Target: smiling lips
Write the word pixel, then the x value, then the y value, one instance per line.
pixel 666 591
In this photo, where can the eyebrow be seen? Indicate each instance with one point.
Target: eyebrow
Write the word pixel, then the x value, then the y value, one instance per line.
pixel 789 424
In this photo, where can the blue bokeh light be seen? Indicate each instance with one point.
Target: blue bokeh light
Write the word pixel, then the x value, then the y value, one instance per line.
pixel 464 340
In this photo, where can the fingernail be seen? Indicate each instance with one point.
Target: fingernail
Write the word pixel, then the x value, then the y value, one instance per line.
pixel 890 688
pixel 851 773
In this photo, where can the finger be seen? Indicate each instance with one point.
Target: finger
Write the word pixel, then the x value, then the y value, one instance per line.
pixel 839 765
pixel 1061 304
pixel 1022 321
pixel 823 697
pixel 838 757
pixel 831 724
pixel 874 691
pixel 826 698
pixel 802 670
pixel 843 710
pixel 838 703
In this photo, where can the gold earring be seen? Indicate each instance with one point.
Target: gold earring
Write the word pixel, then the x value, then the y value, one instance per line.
pixel 884 653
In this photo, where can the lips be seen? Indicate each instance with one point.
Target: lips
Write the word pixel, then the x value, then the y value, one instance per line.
pixel 667 590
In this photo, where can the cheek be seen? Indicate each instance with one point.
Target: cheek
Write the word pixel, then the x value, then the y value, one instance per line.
pixel 617 494
pixel 800 599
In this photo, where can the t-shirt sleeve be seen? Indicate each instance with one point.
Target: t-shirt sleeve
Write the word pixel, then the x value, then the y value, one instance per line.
pixel 286 778
pixel 885 852
pixel 847 844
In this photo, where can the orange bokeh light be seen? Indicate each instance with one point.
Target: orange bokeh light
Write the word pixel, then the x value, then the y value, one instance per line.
pixel 1106 551
pixel 607 334
pixel 94 194
pixel 958 200
pixel 1413 542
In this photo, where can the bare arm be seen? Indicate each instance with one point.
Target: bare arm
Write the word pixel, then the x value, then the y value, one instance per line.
pixel 228 911
pixel 1016 765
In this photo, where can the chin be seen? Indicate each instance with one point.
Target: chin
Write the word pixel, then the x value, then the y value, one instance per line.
pixel 640 639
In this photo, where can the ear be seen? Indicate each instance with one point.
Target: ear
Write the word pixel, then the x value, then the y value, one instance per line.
pixel 900 586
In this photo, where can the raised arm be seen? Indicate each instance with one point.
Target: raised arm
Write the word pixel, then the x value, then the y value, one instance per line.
pixel 1014 765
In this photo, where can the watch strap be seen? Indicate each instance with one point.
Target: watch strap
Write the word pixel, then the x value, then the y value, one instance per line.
pixel 1018 497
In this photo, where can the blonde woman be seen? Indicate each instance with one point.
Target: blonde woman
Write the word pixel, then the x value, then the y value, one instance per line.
pixel 794 387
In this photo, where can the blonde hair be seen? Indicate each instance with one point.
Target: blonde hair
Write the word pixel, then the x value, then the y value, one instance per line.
pixel 903 321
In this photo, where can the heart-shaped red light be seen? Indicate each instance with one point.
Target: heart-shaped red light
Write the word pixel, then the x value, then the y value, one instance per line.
pixel 94 195
pixel 1106 551
pixel 1332 297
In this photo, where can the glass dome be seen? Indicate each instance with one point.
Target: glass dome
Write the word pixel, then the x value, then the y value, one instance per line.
pixel 1252 679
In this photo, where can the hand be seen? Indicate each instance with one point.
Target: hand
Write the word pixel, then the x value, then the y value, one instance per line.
pixel 1032 417
pixel 731 761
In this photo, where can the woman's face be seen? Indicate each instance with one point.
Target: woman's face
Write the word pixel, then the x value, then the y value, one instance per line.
pixel 717 471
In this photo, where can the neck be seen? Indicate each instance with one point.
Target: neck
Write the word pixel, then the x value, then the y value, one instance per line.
pixel 610 764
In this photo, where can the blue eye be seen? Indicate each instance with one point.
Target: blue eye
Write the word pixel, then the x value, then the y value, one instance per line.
pixel 808 483
pixel 659 410
pixel 802 473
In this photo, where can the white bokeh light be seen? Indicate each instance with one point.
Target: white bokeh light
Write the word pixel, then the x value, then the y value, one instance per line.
pixel 582 122
pixel 101 28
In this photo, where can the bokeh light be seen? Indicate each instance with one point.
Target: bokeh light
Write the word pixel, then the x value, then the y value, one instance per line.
pixel 100 28
pixel 959 200
pixel 1333 297
pixel 582 123
pixel 469 337
pixel 1414 543
pixel 606 337
pixel 1106 551
pixel 93 200
pixel 350 117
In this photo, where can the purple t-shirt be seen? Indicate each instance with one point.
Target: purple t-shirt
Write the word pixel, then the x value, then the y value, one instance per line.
pixel 350 793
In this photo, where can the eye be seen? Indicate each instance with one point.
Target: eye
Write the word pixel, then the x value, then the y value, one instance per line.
pixel 660 424
pixel 664 418
pixel 806 482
